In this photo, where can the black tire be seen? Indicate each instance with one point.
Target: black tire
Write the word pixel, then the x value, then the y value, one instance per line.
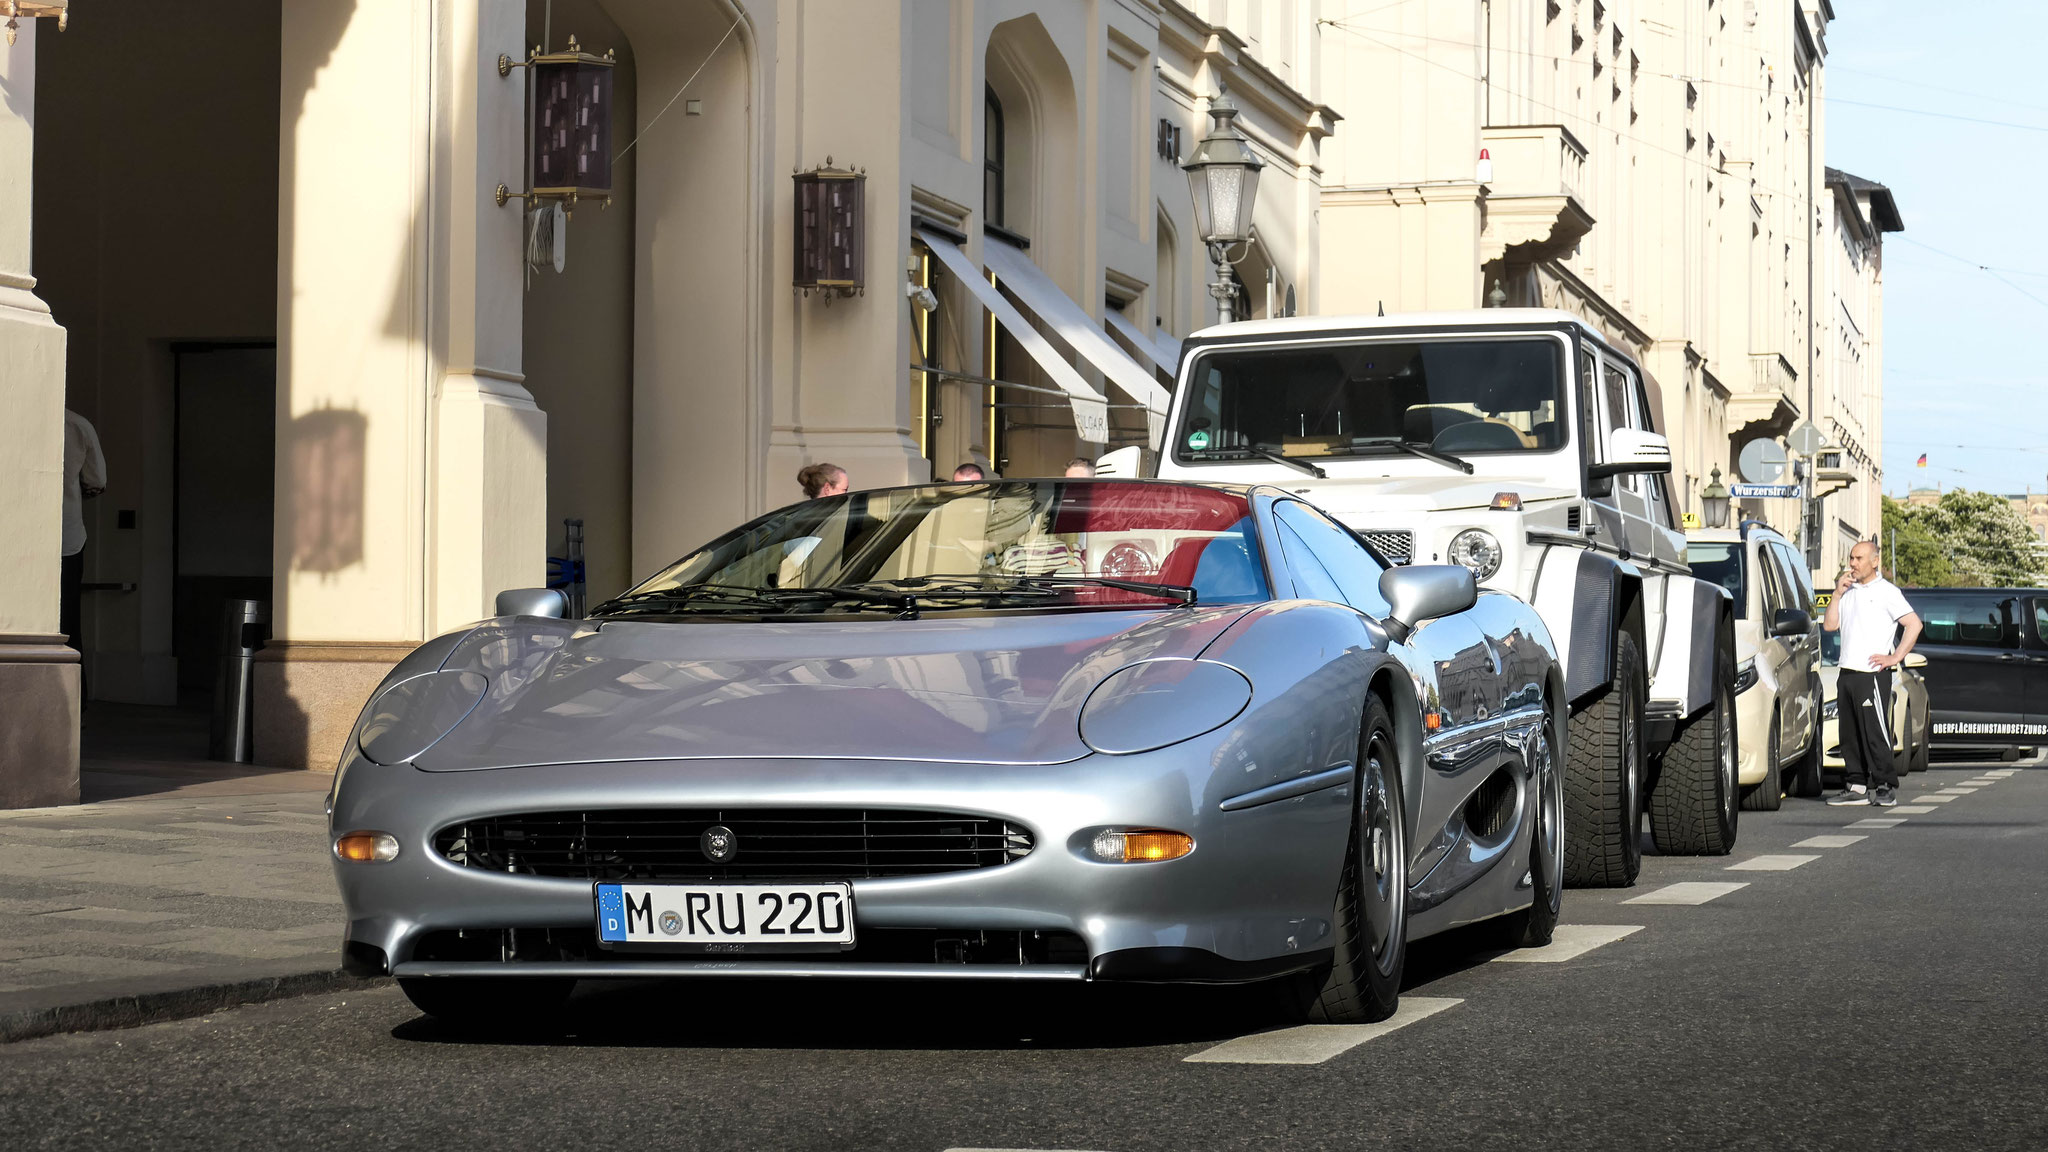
pixel 1532 927
pixel 1693 804
pixel 1902 760
pixel 1921 748
pixel 1769 793
pixel 1603 780
pixel 1804 780
pixel 1364 982
pixel 497 1003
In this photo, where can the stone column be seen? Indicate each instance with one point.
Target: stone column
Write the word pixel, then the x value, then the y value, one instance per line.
pixel 38 670
pixel 411 463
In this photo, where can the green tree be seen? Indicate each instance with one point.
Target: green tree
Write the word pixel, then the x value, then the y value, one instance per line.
pixel 1916 559
pixel 1985 538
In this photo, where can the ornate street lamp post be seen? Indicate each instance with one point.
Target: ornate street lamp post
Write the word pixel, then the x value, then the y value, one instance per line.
pixel 1714 501
pixel 1223 175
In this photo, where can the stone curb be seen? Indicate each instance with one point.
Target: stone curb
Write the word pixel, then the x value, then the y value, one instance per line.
pixel 136 1009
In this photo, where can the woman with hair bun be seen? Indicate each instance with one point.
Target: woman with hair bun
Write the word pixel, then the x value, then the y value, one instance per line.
pixel 822 480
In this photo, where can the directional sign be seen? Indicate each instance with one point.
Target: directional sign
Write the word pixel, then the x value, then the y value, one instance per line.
pixel 1755 491
pixel 1806 439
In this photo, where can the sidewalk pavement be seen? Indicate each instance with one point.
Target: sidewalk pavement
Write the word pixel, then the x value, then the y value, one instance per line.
pixel 199 886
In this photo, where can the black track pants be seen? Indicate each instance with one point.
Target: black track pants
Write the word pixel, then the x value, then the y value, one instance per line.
pixel 1863 719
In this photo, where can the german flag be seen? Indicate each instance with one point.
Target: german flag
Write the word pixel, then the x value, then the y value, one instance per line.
pixel 1923 461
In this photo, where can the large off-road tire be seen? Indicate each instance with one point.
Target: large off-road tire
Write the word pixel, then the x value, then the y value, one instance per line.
pixel 1769 793
pixel 1693 803
pixel 1533 926
pixel 499 1003
pixel 1364 983
pixel 1603 780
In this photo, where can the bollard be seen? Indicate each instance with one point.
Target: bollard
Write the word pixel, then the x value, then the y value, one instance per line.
pixel 245 624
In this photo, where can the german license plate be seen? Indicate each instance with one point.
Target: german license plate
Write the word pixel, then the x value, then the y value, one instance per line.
pixel 726 917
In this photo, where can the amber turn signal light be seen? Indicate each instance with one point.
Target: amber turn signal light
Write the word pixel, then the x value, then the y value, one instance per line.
pixel 366 847
pixel 1116 846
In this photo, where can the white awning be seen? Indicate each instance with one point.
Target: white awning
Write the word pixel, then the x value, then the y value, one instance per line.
pixel 1091 408
pixel 1162 348
pixel 1079 330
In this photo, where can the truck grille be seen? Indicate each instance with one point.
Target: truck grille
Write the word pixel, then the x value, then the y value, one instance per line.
pixel 1398 547
pixel 769 843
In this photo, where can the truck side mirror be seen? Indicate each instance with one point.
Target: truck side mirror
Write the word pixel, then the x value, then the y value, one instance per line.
pixel 1632 450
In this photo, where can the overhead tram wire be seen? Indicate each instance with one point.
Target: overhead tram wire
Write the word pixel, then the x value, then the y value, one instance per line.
pixel 1995 273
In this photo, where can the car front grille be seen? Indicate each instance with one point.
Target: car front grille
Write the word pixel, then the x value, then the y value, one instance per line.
pixel 768 843
pixel 1398 547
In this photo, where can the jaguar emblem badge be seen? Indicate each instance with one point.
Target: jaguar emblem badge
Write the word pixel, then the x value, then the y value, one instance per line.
pixel 719 844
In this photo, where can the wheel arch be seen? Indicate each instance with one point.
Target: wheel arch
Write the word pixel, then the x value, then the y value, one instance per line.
pixel 1605 600
pixel 1396 691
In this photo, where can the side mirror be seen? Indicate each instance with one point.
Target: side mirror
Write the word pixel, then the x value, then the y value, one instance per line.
pixel 1915 660
pixel 532 602
pixel 1420 592
pixel 1631 450
pixel 1791 622
pixel 1126 461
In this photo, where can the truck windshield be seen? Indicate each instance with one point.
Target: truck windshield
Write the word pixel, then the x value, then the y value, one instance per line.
pixel 1467 397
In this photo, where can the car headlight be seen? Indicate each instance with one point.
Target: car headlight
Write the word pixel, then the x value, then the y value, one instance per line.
pixel 1476 549
pixel 410 716
pixel 1827 710
pixel 1745 676
pixel 1154 703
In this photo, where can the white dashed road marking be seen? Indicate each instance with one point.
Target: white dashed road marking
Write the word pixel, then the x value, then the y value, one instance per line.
pixel 1878 823
pixel 1689 892
pixel 2002 773
pixel 1913 809
pixel 1570 942
pixel 1957 791
pixel 1770 863
pixel 1936 798
pixel 1315 1043
pixel 1829 841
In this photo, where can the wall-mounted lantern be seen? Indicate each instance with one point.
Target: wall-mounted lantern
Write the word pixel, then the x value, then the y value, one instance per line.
pixel 831 231
pixel 571 136
pixel 16 9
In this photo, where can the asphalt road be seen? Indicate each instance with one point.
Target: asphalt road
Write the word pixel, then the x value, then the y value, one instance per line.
pixel 1885 993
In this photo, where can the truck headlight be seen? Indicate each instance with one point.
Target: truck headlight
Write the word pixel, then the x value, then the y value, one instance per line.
pixel 1476 549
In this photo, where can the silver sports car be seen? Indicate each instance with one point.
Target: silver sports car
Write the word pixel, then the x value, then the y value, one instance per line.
pixel 1029 730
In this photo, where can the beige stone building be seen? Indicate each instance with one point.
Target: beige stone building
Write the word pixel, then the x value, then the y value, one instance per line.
pixel 1656 167
pixel 258 244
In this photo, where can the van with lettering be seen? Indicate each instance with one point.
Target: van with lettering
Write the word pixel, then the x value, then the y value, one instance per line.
pixel 1987 667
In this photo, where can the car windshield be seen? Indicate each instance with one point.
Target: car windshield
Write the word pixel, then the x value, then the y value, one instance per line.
pixel 1010 544
pixel 1719 563
pixel 1465 397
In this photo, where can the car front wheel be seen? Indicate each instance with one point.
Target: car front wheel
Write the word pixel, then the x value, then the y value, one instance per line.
pixel 1364 983
pixel 1692 807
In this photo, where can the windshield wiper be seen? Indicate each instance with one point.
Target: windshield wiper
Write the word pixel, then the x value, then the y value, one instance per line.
pixel 734 594
pixel 1177 592
pixel 1416 448
pixel 1254 450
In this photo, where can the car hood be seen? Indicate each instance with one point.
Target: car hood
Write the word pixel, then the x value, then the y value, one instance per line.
pixel 1374 496
pixel 1003 689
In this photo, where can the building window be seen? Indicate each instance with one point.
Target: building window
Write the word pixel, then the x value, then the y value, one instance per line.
pixel 992 160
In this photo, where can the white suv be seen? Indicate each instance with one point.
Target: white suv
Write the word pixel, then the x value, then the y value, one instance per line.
pixel 1777 645
pixel 1522 444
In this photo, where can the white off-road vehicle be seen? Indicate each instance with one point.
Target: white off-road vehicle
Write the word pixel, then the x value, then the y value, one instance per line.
pixel 1523 445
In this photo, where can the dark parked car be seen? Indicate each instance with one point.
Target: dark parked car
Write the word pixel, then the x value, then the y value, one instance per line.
pixel 1987 665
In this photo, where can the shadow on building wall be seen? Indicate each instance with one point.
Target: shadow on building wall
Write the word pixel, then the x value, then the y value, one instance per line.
pixel 324 450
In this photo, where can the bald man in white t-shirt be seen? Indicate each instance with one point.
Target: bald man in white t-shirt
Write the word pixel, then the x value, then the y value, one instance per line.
pixel 1869 611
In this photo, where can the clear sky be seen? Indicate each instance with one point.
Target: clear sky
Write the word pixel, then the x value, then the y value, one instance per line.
pixel 1966 351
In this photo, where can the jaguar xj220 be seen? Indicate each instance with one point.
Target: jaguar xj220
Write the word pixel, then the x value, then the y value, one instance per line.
pixel 1039 729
